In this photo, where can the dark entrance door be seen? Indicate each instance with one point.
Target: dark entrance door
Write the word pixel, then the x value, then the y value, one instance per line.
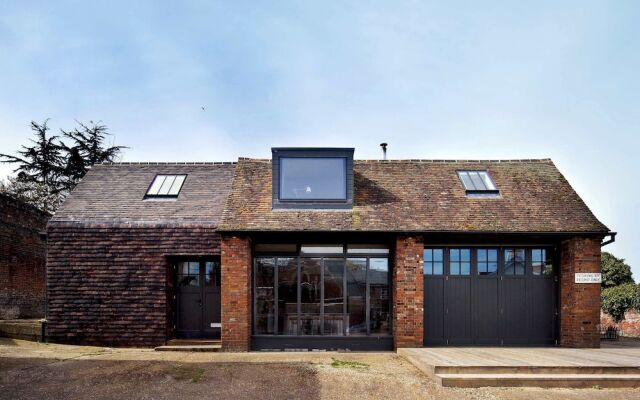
pixel 489 296
pixel 198 299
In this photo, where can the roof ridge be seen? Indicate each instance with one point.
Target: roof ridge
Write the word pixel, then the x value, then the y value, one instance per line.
pixel 169 163
pixel 429 161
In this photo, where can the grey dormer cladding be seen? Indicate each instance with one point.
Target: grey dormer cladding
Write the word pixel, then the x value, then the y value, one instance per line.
pixel 297 152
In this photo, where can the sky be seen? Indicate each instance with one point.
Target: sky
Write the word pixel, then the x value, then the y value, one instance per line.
pixel 472 80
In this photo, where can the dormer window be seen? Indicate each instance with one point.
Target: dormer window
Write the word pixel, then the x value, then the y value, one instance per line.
pixel 312 178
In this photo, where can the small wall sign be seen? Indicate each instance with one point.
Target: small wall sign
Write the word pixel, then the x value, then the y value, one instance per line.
pixel 588 277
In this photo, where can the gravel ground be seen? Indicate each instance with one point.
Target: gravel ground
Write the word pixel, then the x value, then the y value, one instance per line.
pixel 48 371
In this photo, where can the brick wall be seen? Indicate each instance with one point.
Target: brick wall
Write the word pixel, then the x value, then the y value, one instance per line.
pixel 579 303
pixel 107 284
pixel 236 293
pixel 408 292
pixel 22 260
pixel 629 326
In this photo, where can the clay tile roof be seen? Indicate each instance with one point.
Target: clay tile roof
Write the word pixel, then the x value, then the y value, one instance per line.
pixel 420 195
pixel 114 193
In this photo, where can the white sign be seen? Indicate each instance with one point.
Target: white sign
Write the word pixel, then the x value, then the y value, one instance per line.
pixel 588 277
pixel 216 325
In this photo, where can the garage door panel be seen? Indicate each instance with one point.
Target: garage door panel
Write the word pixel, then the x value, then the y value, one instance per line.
pixel 458 310
pixel 434 313
pixel 513 314
pixel 486 311
pixel 541 306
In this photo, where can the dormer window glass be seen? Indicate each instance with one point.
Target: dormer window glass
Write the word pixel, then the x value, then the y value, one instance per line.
pixel 312 178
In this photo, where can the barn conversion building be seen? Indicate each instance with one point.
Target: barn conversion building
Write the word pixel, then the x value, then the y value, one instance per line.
pixel 313 249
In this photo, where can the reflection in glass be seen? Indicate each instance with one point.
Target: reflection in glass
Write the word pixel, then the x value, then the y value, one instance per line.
pixel 487 261
pixel 356 296
pixel 541 262
pixel 313 178
pixel 287 296
pixel 265 306
pixel 379 295
pixel 310 296
pixel 334 296
pixel 460 262
pixel 514 261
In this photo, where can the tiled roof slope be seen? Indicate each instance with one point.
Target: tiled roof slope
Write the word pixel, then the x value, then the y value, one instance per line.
pixel 114 193
pixel 420 195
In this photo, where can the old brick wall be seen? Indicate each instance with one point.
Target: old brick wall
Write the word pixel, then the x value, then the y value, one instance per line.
pixel 408 292
pixel 579 303
pixel 629 326
pixel 22 260
pixel 236 293
pixel 107 284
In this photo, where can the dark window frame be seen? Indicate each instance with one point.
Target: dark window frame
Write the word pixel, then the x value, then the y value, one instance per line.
pixel 283 153
pixel 344 256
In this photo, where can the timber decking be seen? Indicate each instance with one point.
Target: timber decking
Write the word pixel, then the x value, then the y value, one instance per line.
pixel 611 366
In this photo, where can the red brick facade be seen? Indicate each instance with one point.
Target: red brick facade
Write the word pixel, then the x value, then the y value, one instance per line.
pixel 108 284
pixel 22 260
pixel 579 303
pixel 629 326
pixel 236 293
pixel 408 292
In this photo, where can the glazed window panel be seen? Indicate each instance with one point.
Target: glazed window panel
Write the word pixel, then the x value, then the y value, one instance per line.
pixel 356 296
pixel 310 296
pixel 541 262
pixel 265 295
pixel 487 261
pixel 189 273
pixel 459 261
pixel 514 261
pixel 433 261
pixel 379 304
pixel 287 296
pixel 334 296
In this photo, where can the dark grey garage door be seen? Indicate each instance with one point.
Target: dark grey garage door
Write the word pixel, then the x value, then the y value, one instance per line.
pixel 489 296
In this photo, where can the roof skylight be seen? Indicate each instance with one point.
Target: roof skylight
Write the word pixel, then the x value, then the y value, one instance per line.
pixel 166 186
pixel 477 182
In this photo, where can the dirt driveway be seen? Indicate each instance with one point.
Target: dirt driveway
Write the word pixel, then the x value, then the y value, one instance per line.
pixel 48 371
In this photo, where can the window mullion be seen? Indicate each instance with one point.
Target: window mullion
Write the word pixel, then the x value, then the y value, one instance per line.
pixel 367 300
pixel 276 267
pixel 322 296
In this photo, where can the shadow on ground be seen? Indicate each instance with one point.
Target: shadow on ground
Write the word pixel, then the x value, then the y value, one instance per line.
pixel 101 379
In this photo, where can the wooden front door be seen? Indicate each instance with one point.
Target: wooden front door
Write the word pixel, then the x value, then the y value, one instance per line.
pixel 198 299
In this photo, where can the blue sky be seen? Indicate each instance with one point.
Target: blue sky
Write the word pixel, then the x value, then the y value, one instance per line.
pixel 434 79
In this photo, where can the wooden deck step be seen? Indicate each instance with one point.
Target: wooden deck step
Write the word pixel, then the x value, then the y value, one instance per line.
pixel 540 380
pixel 533 369
pixel 194 342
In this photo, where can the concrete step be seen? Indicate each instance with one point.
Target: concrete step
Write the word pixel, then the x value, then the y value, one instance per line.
pixel 193 342
pixel 540 380
pixel 191 348
pixel 25 329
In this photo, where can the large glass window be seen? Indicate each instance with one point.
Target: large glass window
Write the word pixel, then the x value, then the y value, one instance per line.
pixel 460 262
pixel 514 261
pixel 356 296
pixel 379 295
pixel 334 296
pixel 433 261
pixel 265 295
pixel 288 296
pixel 322 295
pixel 313 178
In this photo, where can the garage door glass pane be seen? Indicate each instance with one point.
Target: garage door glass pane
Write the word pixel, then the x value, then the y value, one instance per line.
pixel 310 292
pixel 514 261
pixel 433 261
pixel 356 296
pixel 460 262
pixel 379 295
pixel 287 296
pixel 487 261
pixel 265 306
pixel 334 296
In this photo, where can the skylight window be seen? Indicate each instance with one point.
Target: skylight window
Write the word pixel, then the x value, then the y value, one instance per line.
pixel 477 182
pixel 166 186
